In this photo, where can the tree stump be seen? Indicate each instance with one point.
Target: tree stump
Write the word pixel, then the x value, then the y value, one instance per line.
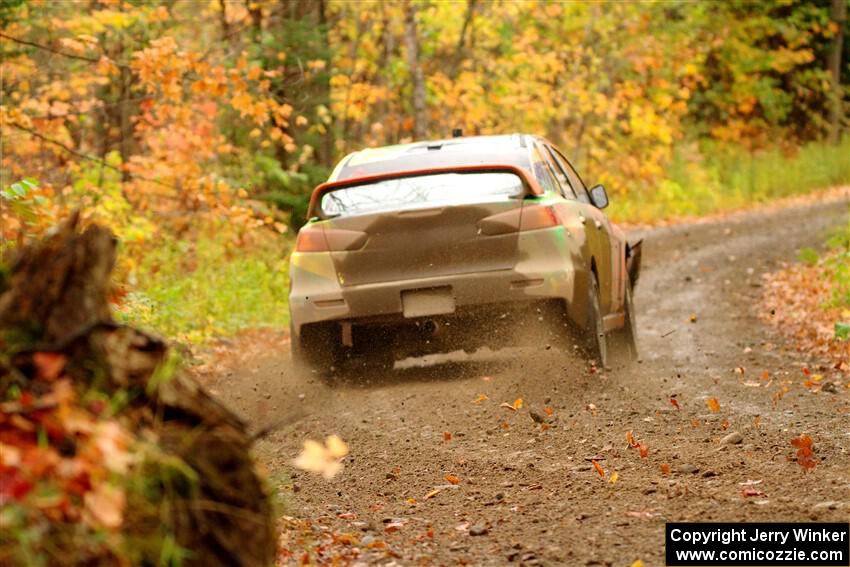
pixel 55 298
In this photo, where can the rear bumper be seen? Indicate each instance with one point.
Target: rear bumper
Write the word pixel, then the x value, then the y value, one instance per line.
pixel 381 303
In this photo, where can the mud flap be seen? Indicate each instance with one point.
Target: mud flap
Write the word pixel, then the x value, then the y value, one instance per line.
pixel 633 257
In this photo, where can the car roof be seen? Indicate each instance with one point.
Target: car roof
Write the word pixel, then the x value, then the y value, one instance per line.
pixel 511 149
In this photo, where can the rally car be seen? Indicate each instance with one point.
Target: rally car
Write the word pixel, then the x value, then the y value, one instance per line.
pixel 456 244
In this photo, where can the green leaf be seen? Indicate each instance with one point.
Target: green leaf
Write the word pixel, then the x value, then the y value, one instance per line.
pixel 809 256
pixel 842 331
pixel 19 189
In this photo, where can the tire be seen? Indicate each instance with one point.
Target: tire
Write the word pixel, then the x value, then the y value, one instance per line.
pixel 625 347
pixel 597 343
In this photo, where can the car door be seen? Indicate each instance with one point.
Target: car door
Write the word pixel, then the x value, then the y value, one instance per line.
pixel 597 229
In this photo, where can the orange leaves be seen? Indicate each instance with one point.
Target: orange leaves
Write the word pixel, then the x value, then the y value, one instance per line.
pixel 713 405
pixel 675 403
pixel 749 491
pixel 642 447
pixel 664 468
pixel 49 365
pixel 480 398
pixel 598 467
pixel 805 452
pixel 447 437
pixel 452 479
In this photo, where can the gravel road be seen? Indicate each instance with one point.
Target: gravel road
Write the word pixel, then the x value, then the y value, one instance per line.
pixel 528 492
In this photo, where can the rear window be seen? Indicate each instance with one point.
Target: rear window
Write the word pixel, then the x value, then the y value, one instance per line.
pixel 421 191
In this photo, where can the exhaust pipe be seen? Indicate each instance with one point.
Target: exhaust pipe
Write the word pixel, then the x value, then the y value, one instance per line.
pixel 431 328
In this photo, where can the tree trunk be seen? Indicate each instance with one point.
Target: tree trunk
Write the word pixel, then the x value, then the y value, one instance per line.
pixel 461 41
pixel 420 110
pixel 225 27
pixel 839 16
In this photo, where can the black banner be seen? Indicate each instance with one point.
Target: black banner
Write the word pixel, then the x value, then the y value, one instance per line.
pixel 757 544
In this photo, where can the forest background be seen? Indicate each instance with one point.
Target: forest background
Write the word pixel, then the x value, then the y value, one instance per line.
pixel 196 130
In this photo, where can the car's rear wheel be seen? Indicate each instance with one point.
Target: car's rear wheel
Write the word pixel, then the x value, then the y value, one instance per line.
pixel 597 344
pixel 625 340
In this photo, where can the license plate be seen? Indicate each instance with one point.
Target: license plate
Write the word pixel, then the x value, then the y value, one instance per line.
pixel 424 302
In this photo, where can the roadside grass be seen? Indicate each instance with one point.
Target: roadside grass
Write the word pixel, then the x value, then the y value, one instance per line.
pixel 208 288
pixel 714 180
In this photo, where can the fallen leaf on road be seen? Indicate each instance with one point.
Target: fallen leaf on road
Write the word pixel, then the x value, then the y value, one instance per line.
pixel 480 398
pixel 644 451
pixel 646 514
pixel 548 411
pixel 322 459
pixel 630 439
pixel 447 436
pixel 805 452
pixel 433 493
pixel 675 404
pixel 518 403
pixel 393 527
pixel 411 501
pixel 765 376
pixel 615 476
pixel 757 421
pixel 347 516
pixel 724 425
pixel 748 492
pixel 452 479
pixel 638 563
pixel 713 404
pixel 665 468
pixel 598 468
pixel 505 425
pixel 507 406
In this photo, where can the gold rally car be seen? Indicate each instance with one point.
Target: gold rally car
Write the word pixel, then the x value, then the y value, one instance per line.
pixel 457 244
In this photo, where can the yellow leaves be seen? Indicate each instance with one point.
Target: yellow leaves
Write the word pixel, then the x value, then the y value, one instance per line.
pixel 243 103
pixel 615 476
pixel 322 459
pixel 480 398
pixel 713 405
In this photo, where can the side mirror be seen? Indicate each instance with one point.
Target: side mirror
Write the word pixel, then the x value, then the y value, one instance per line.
pixel 598 196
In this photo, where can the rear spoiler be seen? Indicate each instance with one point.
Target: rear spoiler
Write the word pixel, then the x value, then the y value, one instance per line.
pixel 531 184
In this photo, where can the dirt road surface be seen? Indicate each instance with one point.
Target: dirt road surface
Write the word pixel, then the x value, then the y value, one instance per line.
pixel 529 494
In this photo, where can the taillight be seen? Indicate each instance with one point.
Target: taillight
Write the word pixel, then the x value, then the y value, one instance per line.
pixel 538 216
pixel 531 217
pixel 311 240
pixel 329 240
